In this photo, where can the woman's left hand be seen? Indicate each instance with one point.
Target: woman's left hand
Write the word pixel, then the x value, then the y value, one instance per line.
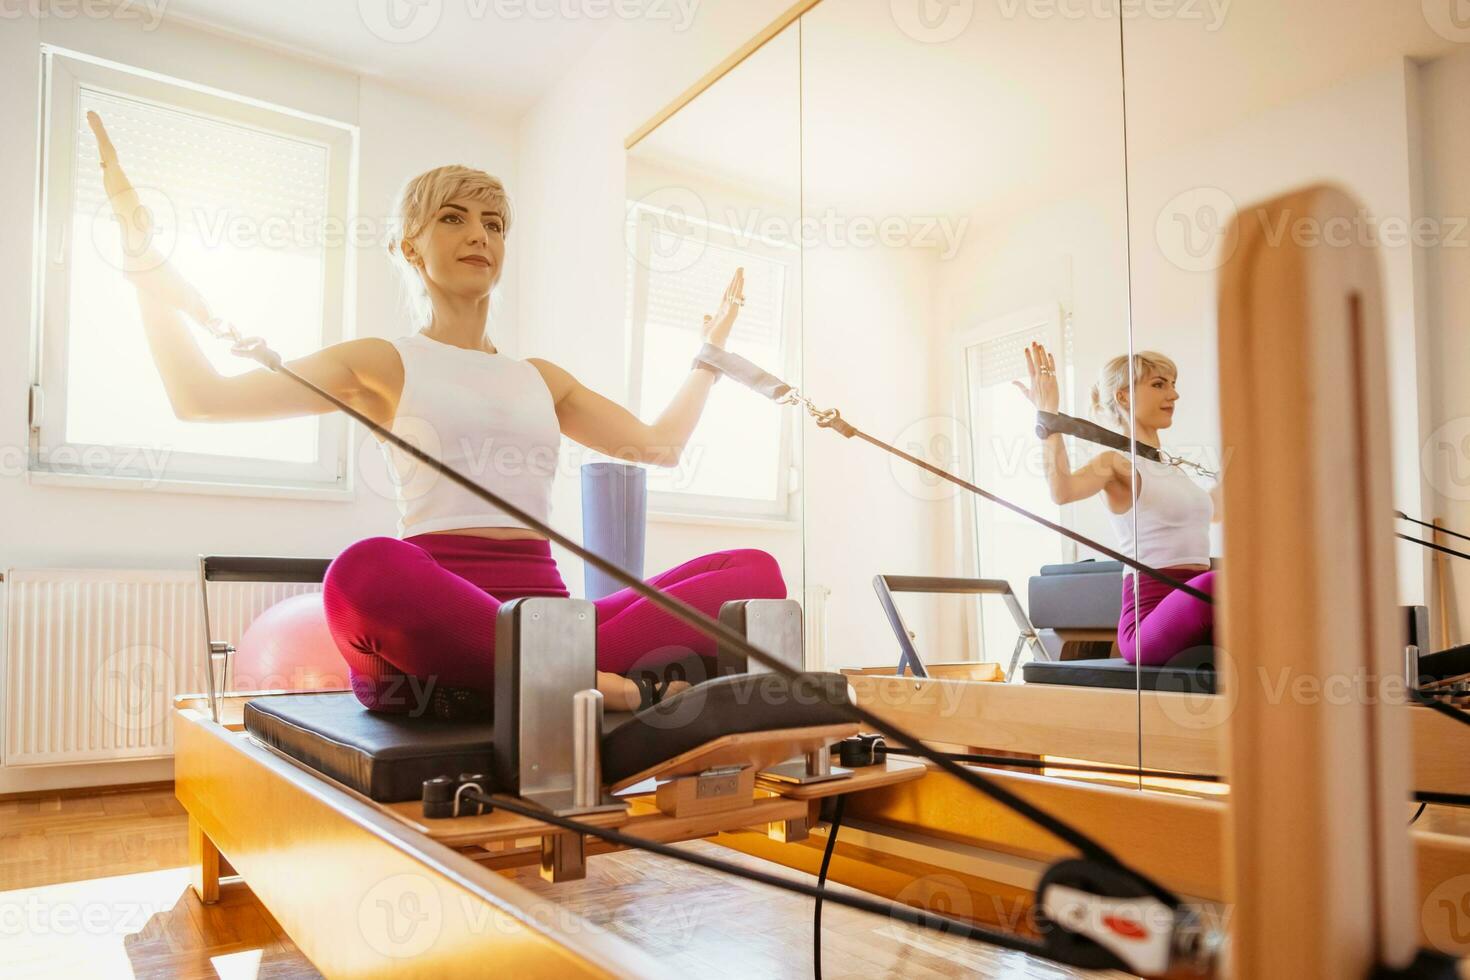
pixel 717 328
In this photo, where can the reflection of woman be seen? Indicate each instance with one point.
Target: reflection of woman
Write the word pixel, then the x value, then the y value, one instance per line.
pixel 421 608
pixel 1173 513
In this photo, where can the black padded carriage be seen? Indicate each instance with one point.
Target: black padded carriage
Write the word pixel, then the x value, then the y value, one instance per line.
pixel 387 757
pixel 1115 672
pixel 1073 607
pixel 734 705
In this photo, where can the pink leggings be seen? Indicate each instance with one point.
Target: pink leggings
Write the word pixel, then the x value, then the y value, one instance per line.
pixel 415 618
pixel 1168 621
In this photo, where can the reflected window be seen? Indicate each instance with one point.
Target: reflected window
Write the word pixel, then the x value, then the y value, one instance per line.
pixel 1006 460
pixel 739 459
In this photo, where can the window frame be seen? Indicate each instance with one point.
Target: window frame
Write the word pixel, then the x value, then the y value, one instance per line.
pixel 1051 323
pixel 684 507
pixel 53 460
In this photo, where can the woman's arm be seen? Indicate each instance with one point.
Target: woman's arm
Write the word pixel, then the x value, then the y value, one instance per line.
pixel 196 391
pixel 1108 472
pixel 602 424
pixel 1105 472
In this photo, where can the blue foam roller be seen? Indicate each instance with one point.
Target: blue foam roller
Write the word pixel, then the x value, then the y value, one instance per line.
pixel 614 516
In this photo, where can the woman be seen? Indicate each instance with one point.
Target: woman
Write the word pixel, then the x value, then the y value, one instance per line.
pixel 1158 622
pixel 414 616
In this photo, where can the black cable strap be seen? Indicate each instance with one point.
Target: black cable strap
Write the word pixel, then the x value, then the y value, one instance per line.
pixel 904 913
pixel 1431 545
pixel 738 367
pixel 1442 530
pixel 256 349
pixel 1434 704
pixel 1065 532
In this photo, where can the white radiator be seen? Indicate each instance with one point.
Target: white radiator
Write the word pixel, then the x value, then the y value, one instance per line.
pixel 814 625
pixel 93 658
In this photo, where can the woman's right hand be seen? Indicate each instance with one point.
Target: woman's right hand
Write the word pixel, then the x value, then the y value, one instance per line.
pixel 142 263
pixel 1042 367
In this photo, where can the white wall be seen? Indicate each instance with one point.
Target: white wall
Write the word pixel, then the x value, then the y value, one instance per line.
pixel 571 202
pixel 47 526
pixel 870 351
pixel 1446 145
pixel 1358 134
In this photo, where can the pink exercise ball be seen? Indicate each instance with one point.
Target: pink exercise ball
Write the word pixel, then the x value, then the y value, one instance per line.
pixel 290 648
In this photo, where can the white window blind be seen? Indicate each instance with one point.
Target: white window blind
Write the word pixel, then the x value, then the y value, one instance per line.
pixel 738 460
pixel 249 205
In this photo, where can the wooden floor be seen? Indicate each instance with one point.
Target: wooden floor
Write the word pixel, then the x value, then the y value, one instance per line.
pixel 707 924
pixel 97 887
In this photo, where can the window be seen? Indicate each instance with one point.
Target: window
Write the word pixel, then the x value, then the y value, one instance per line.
pixel 738 463
pixel 1005 457
pixel 250 204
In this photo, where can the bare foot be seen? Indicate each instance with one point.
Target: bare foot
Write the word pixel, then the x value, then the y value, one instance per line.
pixel 621 694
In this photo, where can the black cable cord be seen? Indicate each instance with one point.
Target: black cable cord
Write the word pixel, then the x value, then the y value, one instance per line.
pixel 903 913
pixel 1412 820
pixel 1432 545
pixel 1061 424
pixel 1434 704
pixel 739 369
pixel 256 349
pixel 836 824
pixel 849 430
pixel 1442 530
pixel 1443 799
pixel 1101 768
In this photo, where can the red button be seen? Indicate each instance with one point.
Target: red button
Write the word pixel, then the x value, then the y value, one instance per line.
pixel 1126 928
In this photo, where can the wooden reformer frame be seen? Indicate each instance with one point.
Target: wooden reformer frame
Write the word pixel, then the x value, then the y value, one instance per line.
pixel 1308 850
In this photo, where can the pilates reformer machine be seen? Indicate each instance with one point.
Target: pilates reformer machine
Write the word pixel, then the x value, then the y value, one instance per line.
pixel 331 813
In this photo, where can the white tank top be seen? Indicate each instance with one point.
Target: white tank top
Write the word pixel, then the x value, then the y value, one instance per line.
pixel 489 416
pixel 1174 516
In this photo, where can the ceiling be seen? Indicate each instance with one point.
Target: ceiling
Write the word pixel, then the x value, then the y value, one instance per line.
pixel 491 55
pixel 1014 106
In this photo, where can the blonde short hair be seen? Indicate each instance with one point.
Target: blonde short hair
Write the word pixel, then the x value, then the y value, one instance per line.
pixel 418 202
pixel 1114 378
